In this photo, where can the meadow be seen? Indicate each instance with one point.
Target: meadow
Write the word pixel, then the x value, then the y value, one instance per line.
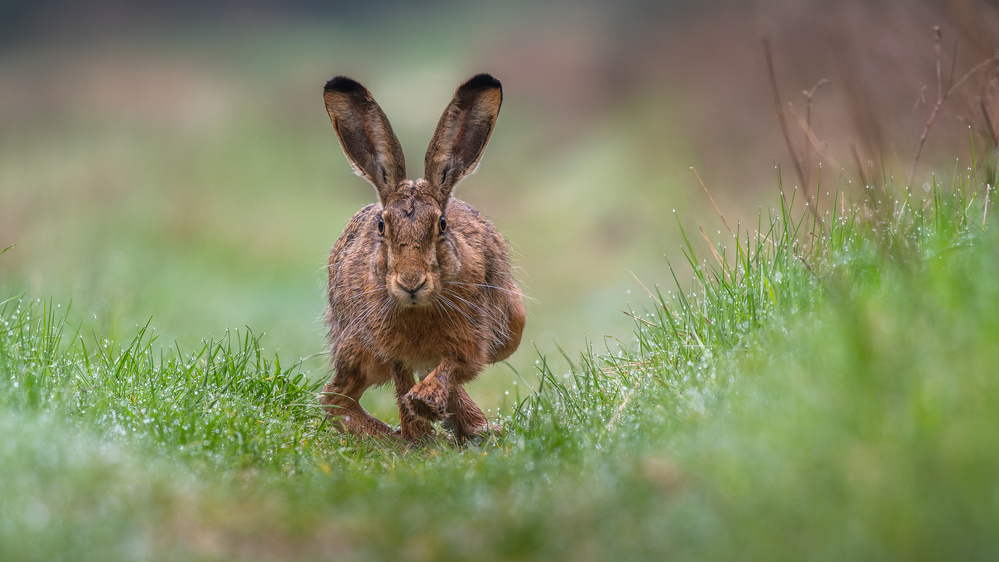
pixel 789 381
pixel 825 389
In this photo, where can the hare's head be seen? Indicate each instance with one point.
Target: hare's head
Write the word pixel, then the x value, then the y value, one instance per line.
pixel 413 227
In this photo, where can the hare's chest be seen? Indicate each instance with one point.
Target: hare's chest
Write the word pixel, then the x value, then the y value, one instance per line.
pixel 417 346
pixel 422 368
pixel 423 349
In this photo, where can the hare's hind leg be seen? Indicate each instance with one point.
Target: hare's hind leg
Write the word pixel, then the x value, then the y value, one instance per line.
pixel 507 337
pixel 411 426
pixel 465 418
pixel 342 395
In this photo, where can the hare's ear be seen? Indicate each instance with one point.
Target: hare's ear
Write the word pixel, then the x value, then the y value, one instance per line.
pixel 463 132
pixel 365 135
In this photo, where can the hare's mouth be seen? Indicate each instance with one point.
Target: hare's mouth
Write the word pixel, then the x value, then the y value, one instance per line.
pixel 412 303
pixel 411 294
pixel 412 300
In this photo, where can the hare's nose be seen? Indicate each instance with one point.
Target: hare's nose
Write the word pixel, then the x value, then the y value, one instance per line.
pixel 411 283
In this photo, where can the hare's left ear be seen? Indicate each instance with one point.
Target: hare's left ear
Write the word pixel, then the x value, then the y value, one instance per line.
pixel 462 133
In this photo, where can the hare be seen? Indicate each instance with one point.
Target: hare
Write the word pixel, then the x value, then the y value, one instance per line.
pixel 419 282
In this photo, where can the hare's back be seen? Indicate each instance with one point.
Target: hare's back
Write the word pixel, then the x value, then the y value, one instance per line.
pixel 351 255
pixel 475 228
pixel 484 249
pixel 357 232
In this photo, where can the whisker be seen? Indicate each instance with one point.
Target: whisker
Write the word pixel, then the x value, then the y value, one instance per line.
pixel 367 310
pixel 440 307
pixel 477 308
pixel 517 292
pixel 449 303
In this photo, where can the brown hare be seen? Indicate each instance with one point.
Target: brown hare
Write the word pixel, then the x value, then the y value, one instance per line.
pixel 419 282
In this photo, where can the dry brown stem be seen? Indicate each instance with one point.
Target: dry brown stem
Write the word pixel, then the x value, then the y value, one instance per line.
pixel 809 94
pixel 990 98
pixel 768 57
pixel 814 141
pixel 721 262
pixel 712 199
pixel 943 92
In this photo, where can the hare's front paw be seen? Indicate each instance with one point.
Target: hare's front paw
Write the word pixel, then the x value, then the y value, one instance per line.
pixel 428 399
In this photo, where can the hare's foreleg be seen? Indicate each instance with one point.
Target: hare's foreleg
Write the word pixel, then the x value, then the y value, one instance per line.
pixel 411 426
pixel 429 398
pixel 342 397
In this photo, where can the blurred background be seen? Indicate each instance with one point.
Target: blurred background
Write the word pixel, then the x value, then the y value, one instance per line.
pixel 174 160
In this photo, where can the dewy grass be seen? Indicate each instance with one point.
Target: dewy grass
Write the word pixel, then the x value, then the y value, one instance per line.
pixel 825 388
pixel 830 392
pixel 674 354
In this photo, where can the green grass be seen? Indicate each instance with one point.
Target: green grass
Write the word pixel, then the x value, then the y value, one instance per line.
pixel 824 389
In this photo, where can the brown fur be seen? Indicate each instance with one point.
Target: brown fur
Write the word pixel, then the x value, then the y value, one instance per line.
pixel 405 296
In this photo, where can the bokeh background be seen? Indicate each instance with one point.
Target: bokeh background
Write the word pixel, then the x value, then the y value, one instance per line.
pixel 174 160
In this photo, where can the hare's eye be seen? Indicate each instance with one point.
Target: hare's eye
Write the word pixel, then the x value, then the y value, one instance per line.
pixel 443 225
pixel 381 227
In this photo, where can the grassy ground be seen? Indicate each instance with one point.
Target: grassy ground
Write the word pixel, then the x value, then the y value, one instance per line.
pixel 824 389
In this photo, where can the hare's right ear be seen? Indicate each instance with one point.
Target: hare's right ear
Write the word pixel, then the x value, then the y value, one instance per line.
pixel 365 135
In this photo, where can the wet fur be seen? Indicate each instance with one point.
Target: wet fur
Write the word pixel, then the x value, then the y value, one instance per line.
pixel 414 299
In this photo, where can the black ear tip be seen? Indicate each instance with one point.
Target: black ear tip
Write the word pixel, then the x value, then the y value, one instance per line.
pixel 343 84
pixel 483 82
